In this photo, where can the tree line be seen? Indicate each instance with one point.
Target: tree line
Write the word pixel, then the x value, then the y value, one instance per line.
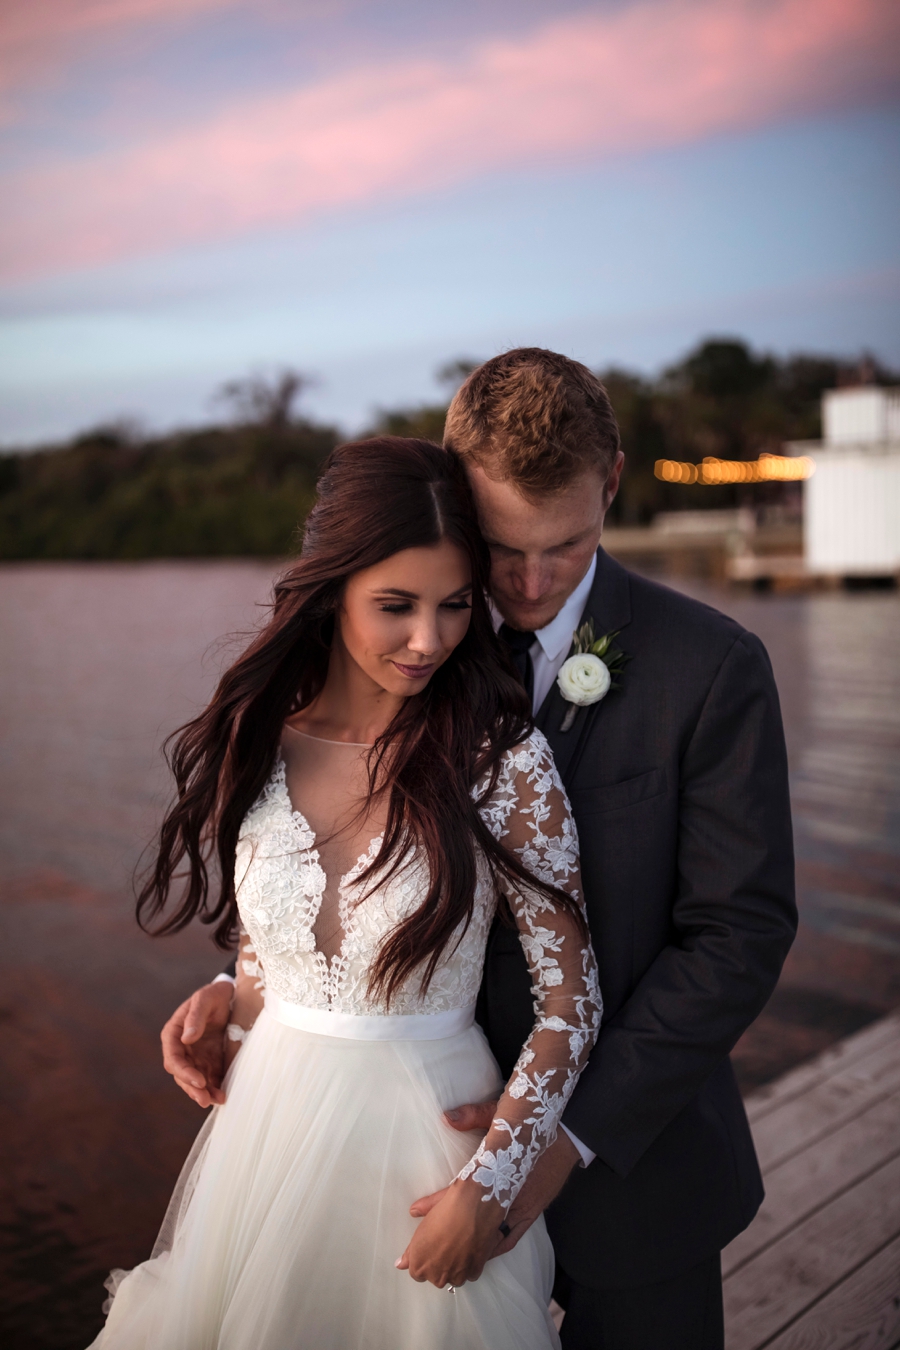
pixel 243 487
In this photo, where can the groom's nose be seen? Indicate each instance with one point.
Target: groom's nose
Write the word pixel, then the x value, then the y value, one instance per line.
pixel 531 579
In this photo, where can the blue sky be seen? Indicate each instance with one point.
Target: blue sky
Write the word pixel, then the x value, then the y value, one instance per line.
pixel 779 227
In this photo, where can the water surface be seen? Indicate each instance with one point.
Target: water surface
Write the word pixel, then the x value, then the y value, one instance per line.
pixel 98 663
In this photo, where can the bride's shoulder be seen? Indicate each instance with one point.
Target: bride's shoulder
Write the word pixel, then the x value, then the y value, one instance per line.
pixel 535 749
pixel 531 762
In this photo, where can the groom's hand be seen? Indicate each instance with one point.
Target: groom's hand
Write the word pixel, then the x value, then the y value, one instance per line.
pixel 193 1043
pixel 543 1184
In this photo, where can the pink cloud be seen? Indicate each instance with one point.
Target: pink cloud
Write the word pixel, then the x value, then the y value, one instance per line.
pixel 37 36
pixel 35 23
pixel 656 73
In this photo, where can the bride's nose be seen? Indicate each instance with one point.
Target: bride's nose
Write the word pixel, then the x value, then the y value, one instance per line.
pixel 425 639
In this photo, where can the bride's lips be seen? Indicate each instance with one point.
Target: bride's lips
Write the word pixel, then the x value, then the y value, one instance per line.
pixel 415 672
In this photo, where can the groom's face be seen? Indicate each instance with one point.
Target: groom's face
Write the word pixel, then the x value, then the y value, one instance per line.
pixel 540 550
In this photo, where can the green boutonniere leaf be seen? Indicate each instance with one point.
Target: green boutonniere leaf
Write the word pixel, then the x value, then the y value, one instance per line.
pixel 585 640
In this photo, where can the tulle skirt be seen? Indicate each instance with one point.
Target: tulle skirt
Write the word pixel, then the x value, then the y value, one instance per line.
pixel 294 1205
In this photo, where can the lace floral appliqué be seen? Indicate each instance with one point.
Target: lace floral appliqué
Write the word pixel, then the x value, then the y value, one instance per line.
pixel 280 884
pixel 530 813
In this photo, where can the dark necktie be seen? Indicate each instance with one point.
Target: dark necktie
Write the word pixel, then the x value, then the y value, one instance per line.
pixel 519 645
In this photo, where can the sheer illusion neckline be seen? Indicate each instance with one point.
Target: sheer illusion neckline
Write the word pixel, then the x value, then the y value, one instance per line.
pixel 305 826
pixel 331 968
pixel 324 740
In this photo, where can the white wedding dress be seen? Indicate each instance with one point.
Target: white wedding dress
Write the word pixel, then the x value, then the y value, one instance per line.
pixel 294 1203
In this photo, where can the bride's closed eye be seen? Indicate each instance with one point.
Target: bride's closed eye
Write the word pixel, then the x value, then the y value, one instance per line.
pixel 403 607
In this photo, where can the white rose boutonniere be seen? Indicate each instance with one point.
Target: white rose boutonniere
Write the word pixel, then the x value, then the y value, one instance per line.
pixel 588 675
pixel 584 679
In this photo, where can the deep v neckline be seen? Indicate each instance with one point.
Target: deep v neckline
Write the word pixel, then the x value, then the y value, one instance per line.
pixel 332 969
pixel 299 819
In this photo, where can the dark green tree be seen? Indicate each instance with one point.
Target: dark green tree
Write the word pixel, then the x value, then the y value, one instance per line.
pixel 245 488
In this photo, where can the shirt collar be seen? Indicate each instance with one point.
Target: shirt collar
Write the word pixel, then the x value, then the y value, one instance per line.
pixel 556 636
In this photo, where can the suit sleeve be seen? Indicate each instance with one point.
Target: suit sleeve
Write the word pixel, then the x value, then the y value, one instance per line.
pixel 733 920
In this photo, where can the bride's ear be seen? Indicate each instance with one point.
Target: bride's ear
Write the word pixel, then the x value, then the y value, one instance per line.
pixel 326 629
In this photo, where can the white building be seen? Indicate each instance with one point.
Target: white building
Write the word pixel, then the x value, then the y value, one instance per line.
pixel 852 501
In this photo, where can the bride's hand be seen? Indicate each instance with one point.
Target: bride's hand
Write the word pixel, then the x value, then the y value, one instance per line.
pixel 456 1238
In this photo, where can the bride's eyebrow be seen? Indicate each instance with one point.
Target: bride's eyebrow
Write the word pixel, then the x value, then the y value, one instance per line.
pixel 412 595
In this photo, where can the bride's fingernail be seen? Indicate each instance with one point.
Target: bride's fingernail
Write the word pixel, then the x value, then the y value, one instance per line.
pixel 397 1262
pixel 452 1115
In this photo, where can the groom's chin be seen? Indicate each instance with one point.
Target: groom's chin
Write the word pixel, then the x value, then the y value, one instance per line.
pixel 528 618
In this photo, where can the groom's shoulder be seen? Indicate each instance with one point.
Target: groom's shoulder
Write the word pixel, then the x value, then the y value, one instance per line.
pixel 679 624
pixel 654 602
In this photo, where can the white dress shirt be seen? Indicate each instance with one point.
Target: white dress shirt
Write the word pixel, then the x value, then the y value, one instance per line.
pixel 552 643
pixel 548 651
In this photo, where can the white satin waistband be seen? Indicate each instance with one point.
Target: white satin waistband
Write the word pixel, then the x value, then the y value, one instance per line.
pixel 374 1027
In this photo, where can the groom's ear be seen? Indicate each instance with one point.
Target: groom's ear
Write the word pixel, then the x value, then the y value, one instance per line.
pixel 613 479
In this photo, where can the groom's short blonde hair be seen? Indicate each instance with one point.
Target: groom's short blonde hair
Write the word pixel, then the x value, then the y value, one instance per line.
pixel 534 418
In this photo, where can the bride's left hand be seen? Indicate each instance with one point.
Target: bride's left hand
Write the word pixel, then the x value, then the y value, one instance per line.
pixel 456 1238
pixel 542 1185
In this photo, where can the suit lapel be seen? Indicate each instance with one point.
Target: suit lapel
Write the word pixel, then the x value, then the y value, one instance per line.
pixel 609 605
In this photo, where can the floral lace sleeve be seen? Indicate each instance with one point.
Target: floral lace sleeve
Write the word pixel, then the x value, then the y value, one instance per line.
pixel 248 963
pixel 529 811
pixel 249 987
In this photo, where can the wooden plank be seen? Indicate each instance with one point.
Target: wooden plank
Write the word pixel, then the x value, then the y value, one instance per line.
pixel 798 1123
pixel 861 1313
pixel 776 1287
pixel 810 1179
pixel 885 1032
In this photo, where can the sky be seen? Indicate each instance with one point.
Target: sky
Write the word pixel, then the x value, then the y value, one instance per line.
pixel 196 190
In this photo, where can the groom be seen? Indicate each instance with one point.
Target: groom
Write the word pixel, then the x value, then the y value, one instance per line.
pixel 678 782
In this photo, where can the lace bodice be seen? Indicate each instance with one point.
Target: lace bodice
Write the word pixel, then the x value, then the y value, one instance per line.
pixel 280 883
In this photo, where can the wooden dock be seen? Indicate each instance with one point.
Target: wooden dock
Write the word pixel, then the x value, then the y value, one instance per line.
pixel 819 1268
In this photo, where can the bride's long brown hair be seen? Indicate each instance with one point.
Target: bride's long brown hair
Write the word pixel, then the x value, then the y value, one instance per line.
pixel 375 498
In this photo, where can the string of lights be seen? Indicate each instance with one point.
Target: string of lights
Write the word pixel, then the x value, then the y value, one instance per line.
pixel 766 469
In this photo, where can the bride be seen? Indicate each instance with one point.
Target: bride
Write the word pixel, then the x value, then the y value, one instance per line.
pixel 367 784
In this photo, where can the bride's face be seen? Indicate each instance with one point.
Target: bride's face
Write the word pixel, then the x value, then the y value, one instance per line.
pixel 401 619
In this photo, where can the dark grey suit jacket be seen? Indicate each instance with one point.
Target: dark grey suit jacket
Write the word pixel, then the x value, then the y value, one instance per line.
pixel 679 786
